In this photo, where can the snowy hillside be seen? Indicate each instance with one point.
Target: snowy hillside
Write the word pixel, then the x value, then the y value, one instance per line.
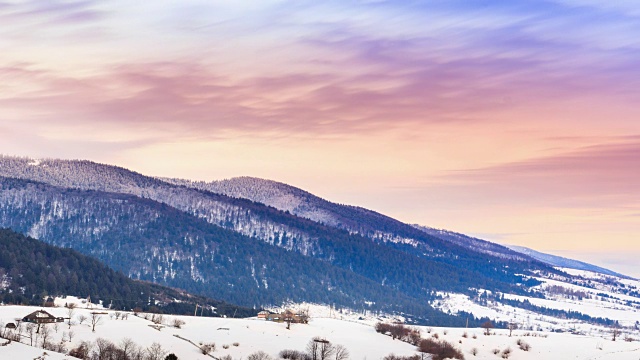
pixel 562 261
pixel 587 303
pixel 239 338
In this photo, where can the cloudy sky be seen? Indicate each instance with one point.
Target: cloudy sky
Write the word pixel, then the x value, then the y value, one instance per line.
pixel 515 121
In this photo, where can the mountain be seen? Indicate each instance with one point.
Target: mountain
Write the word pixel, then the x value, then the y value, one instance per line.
pixel 31 270
pixel 563 262
pixel 239 250
pixel 362 221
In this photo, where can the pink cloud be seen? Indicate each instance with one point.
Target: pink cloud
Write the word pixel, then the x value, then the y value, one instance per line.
pixel 597 176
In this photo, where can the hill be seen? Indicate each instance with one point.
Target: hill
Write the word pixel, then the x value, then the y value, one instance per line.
pixel 239 250
pixel 31 271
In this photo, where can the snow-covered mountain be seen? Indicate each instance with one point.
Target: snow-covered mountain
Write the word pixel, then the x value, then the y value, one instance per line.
pixel 239 250
pixel 562 262
pixel 362 221
pixel 253 242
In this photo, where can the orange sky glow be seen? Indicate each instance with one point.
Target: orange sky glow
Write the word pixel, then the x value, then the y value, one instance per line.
pixel 517 123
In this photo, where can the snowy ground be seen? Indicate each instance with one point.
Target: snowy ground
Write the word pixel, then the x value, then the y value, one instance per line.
pixel 356 334
pixel 608 297
pixel 604 299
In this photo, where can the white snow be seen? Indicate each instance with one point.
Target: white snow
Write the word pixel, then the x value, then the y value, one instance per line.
pixel 357 335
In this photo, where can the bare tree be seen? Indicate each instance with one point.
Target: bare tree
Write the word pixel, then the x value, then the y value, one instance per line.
pixel 341 352
pixel 512 326
pixel 70 335
pixel 487 326
pixel 31 331
pixel 56 327
pixel 616 332
pixel 118 314
pixel 320 349
pixel 128 348
pixel 156 352
pixel 71 309
pixel 95 319
pixel 288 318
pixel 82 318
pixel 45 334
pixel 103 349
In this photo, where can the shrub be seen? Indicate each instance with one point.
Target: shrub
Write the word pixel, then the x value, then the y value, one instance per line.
pixel 236 344
pixel 395 357
pixel 495 351
pixel 506 353
pixel 206 349
pixel 524 346
pixel 225 346
pixel 435 336
pixel 260 355
pixel 464 335
pixel 474 351
pixel 294 355
pixel 439 350
pixel 178 323
pixel 475 336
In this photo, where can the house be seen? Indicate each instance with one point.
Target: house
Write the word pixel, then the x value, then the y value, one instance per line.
pixel 289 317
pixel 41 317
pixel 263 314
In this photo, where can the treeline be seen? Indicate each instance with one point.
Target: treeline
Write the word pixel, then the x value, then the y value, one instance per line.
pixel 32 271
pixel 562 314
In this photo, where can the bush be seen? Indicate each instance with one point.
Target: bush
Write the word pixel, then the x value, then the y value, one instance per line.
pixel 495 351
pixel 178 323
pixel 524 346
pixel 395 357
pixel 506 353
pixel 474 351
pixel 439 350
pixel 260 355
pixel 294 355
pixel 206 349
pixel 236 344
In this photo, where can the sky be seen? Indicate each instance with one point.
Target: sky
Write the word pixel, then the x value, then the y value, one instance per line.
pixel 514 121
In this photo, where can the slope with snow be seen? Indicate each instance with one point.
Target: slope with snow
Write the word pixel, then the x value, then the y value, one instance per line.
pixel 251 335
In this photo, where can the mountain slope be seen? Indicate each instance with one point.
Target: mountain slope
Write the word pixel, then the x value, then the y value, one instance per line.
pixel 31 269
pixel 152 241
pixel 239 250
pixel 358 220
pixel 563 262
pixel 354 219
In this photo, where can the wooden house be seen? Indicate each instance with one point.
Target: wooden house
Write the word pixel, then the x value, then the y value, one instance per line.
pixel 41 317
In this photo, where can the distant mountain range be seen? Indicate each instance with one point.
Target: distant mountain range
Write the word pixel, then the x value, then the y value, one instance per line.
pixel 249 241
pixel 563 262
